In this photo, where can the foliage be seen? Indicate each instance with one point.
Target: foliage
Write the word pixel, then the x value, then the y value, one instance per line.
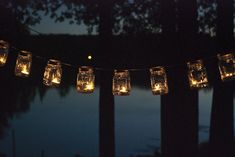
pixel 139 16
pixel 207 16
pixel 130 16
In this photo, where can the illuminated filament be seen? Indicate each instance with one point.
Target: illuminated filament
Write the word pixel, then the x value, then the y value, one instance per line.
pixel 53 73
pixel 23 64
pixel 226 66
pixel 85 80
pixel 197 74
pixel 158 81
pixel 4 49
pixel 121 82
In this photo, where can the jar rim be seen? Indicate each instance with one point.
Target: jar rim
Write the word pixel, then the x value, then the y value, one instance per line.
pixel 157 68
pixel 199 61
pixel 223 56
pixel 54 62
pixel 25 53
pixel 85 68
pixel 121 71
pixel 4 44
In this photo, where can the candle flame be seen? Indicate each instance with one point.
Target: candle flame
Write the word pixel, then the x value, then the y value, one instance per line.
pixel 2 60
pixel 157 87
pixel 123 89
pixel 89 86
pixel 24 70
pixel 228 74
pixel 55 80
pixel 194 82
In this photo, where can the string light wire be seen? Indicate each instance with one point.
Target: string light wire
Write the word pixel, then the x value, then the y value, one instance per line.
pixel 107 69
pixel 197 74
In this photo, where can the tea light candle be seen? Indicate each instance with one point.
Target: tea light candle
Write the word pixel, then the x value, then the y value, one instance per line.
pixel 121 82
pixel 23 64
pixel 226 65
pixel 4 49
pixel 53 73
pixel 197 74
pixel 85 80
pixel 158 80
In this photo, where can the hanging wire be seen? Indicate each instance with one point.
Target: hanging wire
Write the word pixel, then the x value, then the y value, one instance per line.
pixel 110 69
pixel 107 69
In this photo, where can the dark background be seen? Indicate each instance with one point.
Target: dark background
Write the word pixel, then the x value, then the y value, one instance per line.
pixel 130 34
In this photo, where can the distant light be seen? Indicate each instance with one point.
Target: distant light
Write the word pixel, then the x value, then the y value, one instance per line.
pixel 89 57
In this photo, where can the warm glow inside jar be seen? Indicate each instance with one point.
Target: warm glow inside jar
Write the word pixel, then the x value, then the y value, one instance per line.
pixel 121 82
pixel 158 80
pixel 4 49
pixel 226 66
pixel 23 64
pixel 197 74
pixel 53 73
pixel 85 80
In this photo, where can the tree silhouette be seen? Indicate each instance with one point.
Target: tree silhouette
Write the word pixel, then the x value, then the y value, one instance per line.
pixel 179 117
pixel 224 38
pixel 129 17
pixel 222 127
pixel 106 98
pixel 225 24
pixel 168 17
pixel 207 17
pixel 16 97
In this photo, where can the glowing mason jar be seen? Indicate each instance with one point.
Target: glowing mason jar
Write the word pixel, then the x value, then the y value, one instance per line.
pixel 121 82
pixel 197 74
pixel 23 64
pixel 4 49
pixel 85 80
pixel 53 73
pixel 158 80
pixel 226 66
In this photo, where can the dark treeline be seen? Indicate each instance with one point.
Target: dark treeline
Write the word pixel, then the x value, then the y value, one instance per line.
pixel 129 52
pixel 129 17
pixel 143 32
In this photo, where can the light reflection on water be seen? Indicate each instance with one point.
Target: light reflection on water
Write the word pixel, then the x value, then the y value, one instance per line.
pixel 65 126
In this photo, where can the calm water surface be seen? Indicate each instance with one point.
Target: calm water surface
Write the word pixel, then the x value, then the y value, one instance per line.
pixel 65 126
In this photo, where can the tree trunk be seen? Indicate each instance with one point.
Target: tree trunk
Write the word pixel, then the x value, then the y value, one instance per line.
pixel 179 108
pixel 221 128
pixel 187 29
pixel 179 117
pixel 225 26
pixel 106 117
pixel 187 20
pixel 168 17
pixel 106 98
pixel 221 139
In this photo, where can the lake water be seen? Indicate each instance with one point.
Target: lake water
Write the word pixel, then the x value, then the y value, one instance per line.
pixel 69 125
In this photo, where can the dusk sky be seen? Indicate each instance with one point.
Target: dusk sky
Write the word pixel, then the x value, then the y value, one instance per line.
pixel 49 26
